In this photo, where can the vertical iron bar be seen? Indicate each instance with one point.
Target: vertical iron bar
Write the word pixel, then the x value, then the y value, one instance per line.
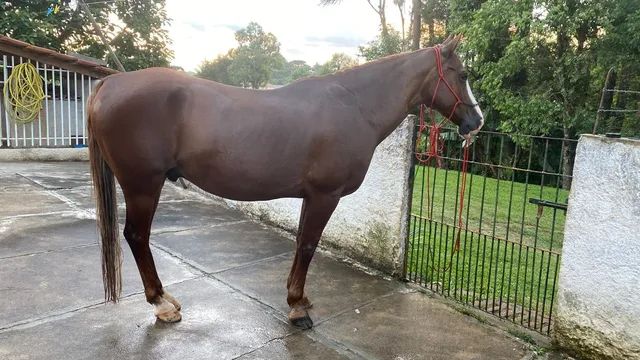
pixel 69 107
pixel 5 72
pixel 455 230
pixel 75 105
pixel 31 125
pixel 495 221
pixel 55 108
pixel 467 232
pixel 433 226
pixel 553 293
pixel 419 268
pixel 15 123
pixel 84 113
pixel 504 264
pixel 61 107
pixel 524 209
pixel 553 231
pixel 535 239
pixel 46 103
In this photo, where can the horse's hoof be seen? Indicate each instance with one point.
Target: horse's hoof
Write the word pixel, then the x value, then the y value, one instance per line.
pixel 172 300
pixel 300 318
pixel 170 317
pixel 167 312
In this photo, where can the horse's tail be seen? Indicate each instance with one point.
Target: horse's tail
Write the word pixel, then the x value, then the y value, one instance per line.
pixel 107 212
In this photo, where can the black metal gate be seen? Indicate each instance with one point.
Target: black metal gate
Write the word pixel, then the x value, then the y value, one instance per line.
pixel 514 211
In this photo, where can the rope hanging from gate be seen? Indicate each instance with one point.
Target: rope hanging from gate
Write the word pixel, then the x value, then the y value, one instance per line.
pixel 434 148
pixel 23 93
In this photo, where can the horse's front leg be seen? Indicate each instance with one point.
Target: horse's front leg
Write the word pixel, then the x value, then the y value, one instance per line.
pixel 141 206
pixel 316 213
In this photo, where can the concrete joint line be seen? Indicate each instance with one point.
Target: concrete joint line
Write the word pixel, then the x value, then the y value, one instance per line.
pixel 49 251
pixel 228 223
pixel 65 313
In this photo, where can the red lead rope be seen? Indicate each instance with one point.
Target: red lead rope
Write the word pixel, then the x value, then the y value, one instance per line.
pixel 435 146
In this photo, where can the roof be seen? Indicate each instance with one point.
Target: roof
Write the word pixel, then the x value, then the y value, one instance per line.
pixel 48 56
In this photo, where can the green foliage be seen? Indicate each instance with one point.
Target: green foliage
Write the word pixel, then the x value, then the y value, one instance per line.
pixel 540 65
pixel 251 64
pixel 385 44
pixel 255 57
pixel 290 71
pixel 338 62
pixel 140 41
pixel 218 69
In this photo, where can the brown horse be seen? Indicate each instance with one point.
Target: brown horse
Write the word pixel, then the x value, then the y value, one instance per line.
pixel 312 139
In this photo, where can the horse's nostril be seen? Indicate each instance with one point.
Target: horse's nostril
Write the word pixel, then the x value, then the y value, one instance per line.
pixel 465 128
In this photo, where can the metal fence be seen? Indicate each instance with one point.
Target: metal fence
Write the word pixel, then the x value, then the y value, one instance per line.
pixel 61 122
pixel 513 216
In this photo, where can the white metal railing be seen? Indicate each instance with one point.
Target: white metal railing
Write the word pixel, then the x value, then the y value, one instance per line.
pixel 62 120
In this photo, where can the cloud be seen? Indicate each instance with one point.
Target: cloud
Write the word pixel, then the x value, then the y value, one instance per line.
pixel 204 29
pixel 335 40
pixel 197 26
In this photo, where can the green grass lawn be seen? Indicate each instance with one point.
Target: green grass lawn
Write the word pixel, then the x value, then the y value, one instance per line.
pixel 507 253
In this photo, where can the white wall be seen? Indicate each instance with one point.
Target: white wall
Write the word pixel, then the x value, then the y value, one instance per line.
pixel 368 225
pixel 598 307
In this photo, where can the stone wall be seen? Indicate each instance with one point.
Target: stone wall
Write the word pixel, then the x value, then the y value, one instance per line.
pixel 598 307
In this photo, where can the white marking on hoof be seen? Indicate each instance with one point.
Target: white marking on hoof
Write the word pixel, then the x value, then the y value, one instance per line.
pixel 166 311
pixel 172 300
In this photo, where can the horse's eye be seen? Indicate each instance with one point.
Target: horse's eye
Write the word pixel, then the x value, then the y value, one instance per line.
pixel 464 76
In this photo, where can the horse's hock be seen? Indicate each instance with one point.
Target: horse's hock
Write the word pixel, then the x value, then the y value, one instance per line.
pixel 369 225
pixel 598 307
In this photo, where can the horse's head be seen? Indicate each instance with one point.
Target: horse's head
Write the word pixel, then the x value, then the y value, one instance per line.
pixel 447 90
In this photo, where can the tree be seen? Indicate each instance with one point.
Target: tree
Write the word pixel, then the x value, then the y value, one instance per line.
pixel 383 45
pixel 338 62
pixel 218 69
pixel 290 71
pixel 141 41
pixel 255 57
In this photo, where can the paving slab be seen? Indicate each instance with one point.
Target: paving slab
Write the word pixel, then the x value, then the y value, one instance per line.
pixel 217 324
pixel 176 216
pixel 331 285
pixel 296 346
pixel 82 196
pixel 11 182
pixel 413 326
pixel 217 248
pixel 17 203
pixel 61 180
pixel 38 285
pixel 36 234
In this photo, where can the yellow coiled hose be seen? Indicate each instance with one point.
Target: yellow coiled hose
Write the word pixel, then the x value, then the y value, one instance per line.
pixel 23 93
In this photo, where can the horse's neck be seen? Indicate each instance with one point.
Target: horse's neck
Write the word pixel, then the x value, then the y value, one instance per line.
pixel 388 89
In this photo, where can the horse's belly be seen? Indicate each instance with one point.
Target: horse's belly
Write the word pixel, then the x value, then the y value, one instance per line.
pixel 245 182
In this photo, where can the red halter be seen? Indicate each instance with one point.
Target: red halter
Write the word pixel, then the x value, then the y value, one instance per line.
pixel 435 146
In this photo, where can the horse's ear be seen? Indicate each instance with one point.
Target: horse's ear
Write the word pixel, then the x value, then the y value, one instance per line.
pixel 449 46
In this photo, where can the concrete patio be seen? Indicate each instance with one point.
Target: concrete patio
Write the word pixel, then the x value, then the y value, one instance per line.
pixel 228 272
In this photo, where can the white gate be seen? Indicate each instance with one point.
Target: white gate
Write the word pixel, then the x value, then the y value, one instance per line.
pixel 62 120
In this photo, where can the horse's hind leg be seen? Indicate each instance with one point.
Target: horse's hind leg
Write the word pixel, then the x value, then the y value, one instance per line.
pixel 142 201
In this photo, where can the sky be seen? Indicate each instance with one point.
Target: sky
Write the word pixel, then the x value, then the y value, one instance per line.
pixel 204 29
